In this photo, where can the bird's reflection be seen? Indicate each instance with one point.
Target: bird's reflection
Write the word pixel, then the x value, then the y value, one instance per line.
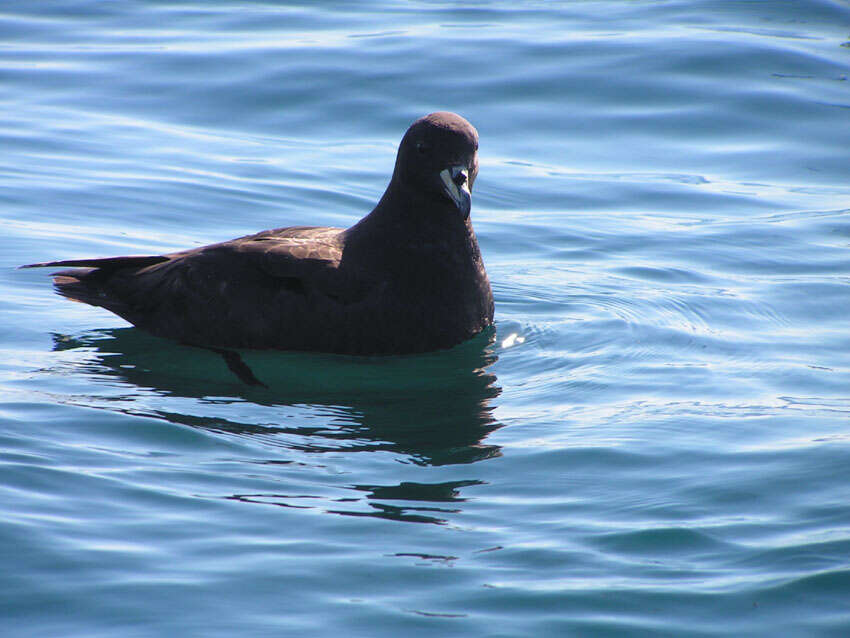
pixel 432 409
pixel 408 502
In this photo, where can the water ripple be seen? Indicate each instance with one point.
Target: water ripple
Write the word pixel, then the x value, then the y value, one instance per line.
pixel 654 439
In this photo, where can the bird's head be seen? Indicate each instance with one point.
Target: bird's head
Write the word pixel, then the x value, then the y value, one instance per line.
pixel 438 158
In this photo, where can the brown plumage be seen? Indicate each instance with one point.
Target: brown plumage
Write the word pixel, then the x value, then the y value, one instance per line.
pixel 406 278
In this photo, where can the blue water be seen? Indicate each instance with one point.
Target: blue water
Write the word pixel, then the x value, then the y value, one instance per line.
pixel 654 441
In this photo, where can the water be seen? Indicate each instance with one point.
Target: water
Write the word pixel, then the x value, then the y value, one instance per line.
pixel 654 440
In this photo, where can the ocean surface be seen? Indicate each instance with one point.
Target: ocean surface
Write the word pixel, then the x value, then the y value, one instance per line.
pixel 655 439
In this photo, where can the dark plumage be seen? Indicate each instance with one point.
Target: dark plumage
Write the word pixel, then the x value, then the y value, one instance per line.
pixel 406 278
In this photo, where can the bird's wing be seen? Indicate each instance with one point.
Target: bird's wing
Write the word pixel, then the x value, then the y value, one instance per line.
pixel 262 291
pixel 303 256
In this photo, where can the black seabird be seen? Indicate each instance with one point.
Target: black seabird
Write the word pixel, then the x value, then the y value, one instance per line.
pixel 406 278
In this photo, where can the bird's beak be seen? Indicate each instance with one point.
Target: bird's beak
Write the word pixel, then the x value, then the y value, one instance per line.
pixel 456 185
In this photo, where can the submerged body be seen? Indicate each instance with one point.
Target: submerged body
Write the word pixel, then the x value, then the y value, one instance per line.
pixel 406 278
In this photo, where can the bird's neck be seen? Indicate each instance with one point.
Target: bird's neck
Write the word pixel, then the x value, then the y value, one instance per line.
pixel 408 218
pixel 405 229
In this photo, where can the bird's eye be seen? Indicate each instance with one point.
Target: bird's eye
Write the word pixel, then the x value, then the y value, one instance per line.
pixel 460 179
pixel 421 148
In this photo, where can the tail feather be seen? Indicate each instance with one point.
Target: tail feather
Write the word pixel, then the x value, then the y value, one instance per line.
pixel 107 263
pixel 87 280
pixel 77 289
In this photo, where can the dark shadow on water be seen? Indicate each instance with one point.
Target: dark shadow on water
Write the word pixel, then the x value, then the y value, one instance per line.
pixel 431 409
pixel 406 502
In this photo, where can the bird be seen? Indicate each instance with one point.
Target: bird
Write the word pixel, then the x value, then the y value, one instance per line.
pixel 407 278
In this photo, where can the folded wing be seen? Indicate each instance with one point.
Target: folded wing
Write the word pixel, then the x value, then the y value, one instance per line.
pixel 211 295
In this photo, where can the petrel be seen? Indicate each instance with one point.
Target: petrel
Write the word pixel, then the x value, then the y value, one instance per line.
pixel 406 278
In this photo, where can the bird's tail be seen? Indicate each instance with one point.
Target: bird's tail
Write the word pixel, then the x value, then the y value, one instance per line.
pixel 73 285
pixel 84 281
pixel 104 264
